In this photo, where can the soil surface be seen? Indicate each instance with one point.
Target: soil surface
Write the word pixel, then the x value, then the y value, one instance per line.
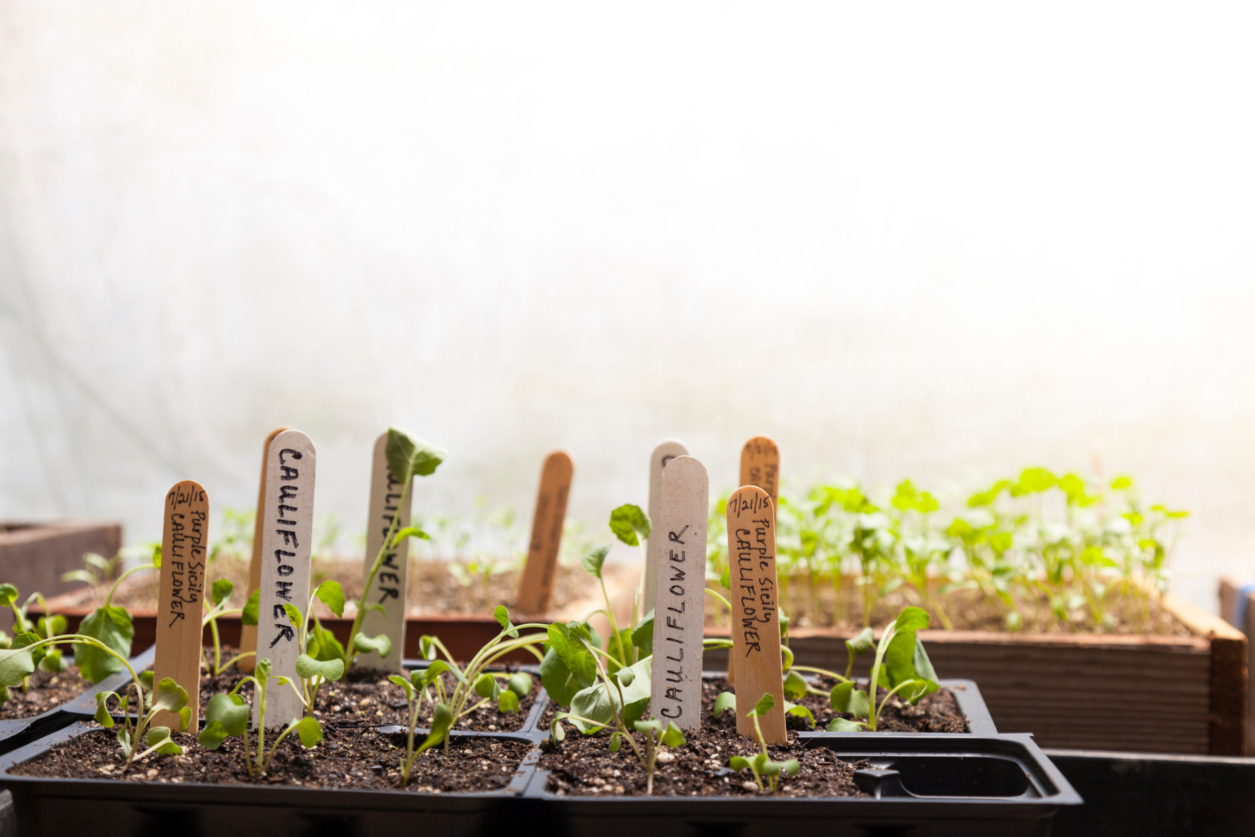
pixel 432 588
pixel 937 712
pixel 47 691
pixel 366 698
pixel 584 766
pixel 347 758
pixel 965 610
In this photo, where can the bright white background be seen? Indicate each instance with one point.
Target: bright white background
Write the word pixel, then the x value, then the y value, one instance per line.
pixel 940 240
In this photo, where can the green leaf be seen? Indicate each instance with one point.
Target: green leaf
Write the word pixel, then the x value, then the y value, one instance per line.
pixel 411 457
pixel 58 626
pixel 308 730
pixel 486 687
pixel 321 644
pixel 294 616
pixel 262 671
pixel 790 767
pixel 845 698
pixel 230 712
pixel 556 732
pixel 595 704
pixel 8 595
pixel 331 594
pixel 794 686
pixel 503 619
pixel 307 667
pixel 616 741
pixel 594 559
pixel 221 590
pixel 159 737
pixel 764 705
pixel 912 619
pixel 521 683
pixel 643 634
pixel 923 665
pixel 53 662
pixel 507 701
pixel 405 685
pixel 112 627
pixel 442 720
pixel 410 532
pixel 102 709
pixel 738 763
pixel 863 642
pixel 725 701
pixel 251 609
pixel 799 711
pixel 124 741
pixel 168 696
pixel 842 725
pixel 673 737
pixel 212 736
pixel 380 645
pixel 146 680
pixel 725 580
pixel 1121 483
pixel 652 725
pixel 629 524
pixel 427 647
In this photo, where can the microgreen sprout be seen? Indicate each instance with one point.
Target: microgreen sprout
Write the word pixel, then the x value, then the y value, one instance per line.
pixel 761 765
pixel 227 715
pixel 901 666
pixel 407 458
pixel 474 681
pixel 220 595
pixel 416 689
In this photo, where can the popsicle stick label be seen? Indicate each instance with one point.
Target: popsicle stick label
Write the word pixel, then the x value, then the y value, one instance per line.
pixel 658 460
pixel 388 590
pixel 287 535
pixel 536 587
pixel 760 466
pixel 755 610
pixel 181 595
pixel 248 633
pixel 684 501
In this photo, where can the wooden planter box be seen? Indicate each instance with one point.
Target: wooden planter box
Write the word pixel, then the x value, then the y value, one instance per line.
pixel 1230 592
pixel 34 555
pixel 462 633
pixel 1096 692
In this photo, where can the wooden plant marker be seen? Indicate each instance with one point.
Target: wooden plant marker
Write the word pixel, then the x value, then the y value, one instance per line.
pixel 536 587
pixel 755 611
pixel 181 596
pixel 248 633
pixel 760 466
pixel 662 455
pixel 683 504
pixel 391 582
pixel 287 535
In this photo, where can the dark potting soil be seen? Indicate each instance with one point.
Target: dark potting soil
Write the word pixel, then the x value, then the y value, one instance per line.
pixel 584 766
pixel 46 691
pixel 369 699
pixel 347 758
pixel 937 712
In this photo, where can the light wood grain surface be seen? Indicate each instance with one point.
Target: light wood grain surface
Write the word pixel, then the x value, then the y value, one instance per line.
pixel 536 585
pixel 388 590
pixel 181 594
pixel 248 633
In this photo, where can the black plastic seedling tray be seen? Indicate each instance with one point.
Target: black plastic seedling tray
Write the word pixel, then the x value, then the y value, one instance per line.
pixel 22 731
pixel 940 786
pixel 921 784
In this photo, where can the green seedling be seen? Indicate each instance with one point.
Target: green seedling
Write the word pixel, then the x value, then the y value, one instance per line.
pixel 416 689
pixel 137 738
pixel 656 737
pixel 407 458
pixel 901 667
pixel 766 772
pixel 474 681
pixel 220 596
pixel 322 657
pixel 227 715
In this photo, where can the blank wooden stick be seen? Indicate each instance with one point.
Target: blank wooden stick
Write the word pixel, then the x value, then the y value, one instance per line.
pixel 287 535
pixel 684 502
pixel 755 611
pixel 248 633
pixel 663 454
pixel 181 596
pixel 388 590
pixel 536 586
